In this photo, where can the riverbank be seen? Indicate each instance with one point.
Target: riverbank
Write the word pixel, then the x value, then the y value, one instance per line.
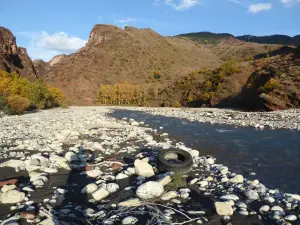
pixel 82 166
pixel 285 119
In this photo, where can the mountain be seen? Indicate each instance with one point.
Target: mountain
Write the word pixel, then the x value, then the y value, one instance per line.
pixel 215 38
pixel 115 55
pixel 14 58
pixel 272 39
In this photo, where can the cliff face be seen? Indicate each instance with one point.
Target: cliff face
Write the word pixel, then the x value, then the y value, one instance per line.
pixel 14 58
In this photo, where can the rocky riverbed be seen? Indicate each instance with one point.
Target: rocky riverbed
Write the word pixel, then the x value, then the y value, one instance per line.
pixel 285 119
pixel 80 166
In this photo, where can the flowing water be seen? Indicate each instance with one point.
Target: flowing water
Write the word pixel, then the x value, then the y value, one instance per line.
pixel 274 155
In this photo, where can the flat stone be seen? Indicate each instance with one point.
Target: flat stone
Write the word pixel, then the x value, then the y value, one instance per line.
pixel 12 197
pixel 90 188
pixel 112 187
pixel 129 220
pixel 100 194
pixel 6 188
pixel 223 209
pixel 130 203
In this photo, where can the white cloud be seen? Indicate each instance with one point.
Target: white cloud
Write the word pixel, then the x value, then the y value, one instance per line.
pixel 256 8
pixel 127 20
pixel 182 4
pixel 45 46
pixel 290 2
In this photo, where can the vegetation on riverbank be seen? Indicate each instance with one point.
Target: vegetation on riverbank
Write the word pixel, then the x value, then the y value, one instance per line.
pixel 18 94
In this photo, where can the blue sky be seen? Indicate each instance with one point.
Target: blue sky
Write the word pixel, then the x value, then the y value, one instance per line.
pixel 50 27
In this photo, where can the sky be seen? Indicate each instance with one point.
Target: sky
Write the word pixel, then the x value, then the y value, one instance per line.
pixel 51 27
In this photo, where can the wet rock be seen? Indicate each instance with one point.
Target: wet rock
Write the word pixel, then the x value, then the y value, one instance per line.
pixel 12 197
pixel 143 168
pixel 223 209
pixel 149 190
pixel 237 179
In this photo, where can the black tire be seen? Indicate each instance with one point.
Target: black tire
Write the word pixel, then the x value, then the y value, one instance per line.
pixel 183 167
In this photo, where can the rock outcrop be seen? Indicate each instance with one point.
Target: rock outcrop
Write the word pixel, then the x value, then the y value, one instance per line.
pixel 14 58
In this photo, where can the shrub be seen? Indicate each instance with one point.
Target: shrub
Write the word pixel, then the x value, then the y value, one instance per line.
pixel 178 181
pixel 3 102
pixel 176 104
pixel 18 104
pixel 270 85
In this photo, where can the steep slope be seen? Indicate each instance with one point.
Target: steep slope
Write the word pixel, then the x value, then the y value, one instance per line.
pixel 271 39
pixel 14 58
pixel 115 55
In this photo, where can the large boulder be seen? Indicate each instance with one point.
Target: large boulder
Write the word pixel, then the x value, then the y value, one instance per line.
pixel 151 189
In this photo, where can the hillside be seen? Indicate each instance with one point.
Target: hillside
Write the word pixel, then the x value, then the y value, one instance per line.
pixel 14 58
pixel 215 38
pixel 113 55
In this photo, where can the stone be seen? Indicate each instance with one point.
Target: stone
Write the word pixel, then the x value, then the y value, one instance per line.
pixel 100 194
pixel 291 218
pixel 129 220
pixel 12 197
pixel 229 197
pixel 251 194
pixel 276 208
pixel 71 156
pixel 143 168
pixel 90 188
pixel 269 199
pixel 34 162
pixel 224 170
pixel 237 179
pixel 165 180
pixel 112 187
pixel 264 209
pixel 13 163
pixel 149 190
pixel 169 195
pixel 210 161
pixel 121 176
pixel 130 203
pixel 223 209
pixel 93 173
pixel 8 182
pixel 97 146
pixel 7 188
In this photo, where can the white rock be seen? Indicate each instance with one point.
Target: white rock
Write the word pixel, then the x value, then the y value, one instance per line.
pixel 90 188
pixel 129 220
pixel 223 209
pixel 251 194
pixel 229 197
pixel 71 156
pixel 97 146
pixel 13 163
pixel 134 123
pixel 169 195
pixel 121 176
pixel 6 188
pixel 269 199
pixel 276 208
pixel 237 179
pixel 203 183
pixel 149 190
pixel 224 170
pixel 210 161
pixel 112 187
pixel 165 180
pixel 100 194
pixel 143 168
pixel 193 181
pixel 130 203
pixel 12 197
pixel 291 218
pixel 93 173
pixel 194 153
pixel 264 209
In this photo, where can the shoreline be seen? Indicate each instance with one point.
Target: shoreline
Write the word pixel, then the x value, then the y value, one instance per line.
pixel 49 142
pixel 285 119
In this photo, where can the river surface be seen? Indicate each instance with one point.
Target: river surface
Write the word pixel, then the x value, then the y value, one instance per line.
pixel 274 155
